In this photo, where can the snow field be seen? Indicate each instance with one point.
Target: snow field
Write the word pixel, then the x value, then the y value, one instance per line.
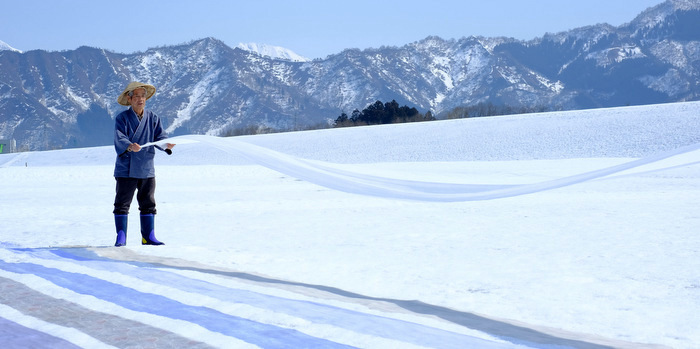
pixel 609 259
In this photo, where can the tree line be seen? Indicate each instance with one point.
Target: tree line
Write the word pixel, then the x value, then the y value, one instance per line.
pixel 379 113
pixel 490 109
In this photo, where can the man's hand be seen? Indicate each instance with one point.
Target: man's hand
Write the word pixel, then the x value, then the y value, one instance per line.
pixel 169 145
pixel 135 147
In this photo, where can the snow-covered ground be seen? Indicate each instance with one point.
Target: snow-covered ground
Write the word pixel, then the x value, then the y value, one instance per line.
pixel 569 229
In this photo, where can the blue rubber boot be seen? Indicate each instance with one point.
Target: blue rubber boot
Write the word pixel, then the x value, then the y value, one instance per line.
pixel 148 234
pixel 120 221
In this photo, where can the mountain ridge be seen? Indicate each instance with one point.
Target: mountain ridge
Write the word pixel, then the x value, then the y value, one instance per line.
pixel 57 99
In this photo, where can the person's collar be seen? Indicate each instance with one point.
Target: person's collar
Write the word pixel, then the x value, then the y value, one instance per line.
pixel 137 114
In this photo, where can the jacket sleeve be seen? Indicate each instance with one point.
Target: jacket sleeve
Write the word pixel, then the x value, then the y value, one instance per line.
pixel 121 138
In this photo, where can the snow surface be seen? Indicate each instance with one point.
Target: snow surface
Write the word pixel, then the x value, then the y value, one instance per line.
pixel 5 47
pixel 582 228
pixel 271 51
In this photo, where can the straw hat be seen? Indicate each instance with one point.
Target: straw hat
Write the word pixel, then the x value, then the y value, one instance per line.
pixel 124 96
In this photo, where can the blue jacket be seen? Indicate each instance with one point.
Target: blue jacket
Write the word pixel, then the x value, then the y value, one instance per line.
pixel 128 129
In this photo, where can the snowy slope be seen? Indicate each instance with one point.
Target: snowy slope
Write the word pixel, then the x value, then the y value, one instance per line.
pixel 573 229
pixel 271 51
pixel 4 46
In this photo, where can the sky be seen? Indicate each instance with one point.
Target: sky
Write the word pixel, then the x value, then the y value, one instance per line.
pixel 312 28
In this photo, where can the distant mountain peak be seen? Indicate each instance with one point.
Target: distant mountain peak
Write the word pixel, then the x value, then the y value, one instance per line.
pixel 67 99
pixel 5 47
pixel 271 51
pixel 657 14
pixel 686 5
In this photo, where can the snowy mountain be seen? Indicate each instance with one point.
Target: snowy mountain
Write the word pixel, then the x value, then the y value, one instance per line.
pixel 273 52
pixel 68 99
pixel 5 47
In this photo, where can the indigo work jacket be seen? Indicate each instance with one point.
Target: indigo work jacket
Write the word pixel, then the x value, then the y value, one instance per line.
pixel 129 129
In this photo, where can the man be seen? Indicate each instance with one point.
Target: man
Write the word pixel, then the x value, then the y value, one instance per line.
pixel 134 169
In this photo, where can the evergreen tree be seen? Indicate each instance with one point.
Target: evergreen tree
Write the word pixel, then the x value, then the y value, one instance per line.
pixel 342 120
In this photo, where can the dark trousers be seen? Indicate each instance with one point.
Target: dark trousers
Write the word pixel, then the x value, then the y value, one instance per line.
pixel 126 187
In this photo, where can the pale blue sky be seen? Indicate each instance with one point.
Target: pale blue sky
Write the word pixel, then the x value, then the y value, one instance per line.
pixel 313 28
